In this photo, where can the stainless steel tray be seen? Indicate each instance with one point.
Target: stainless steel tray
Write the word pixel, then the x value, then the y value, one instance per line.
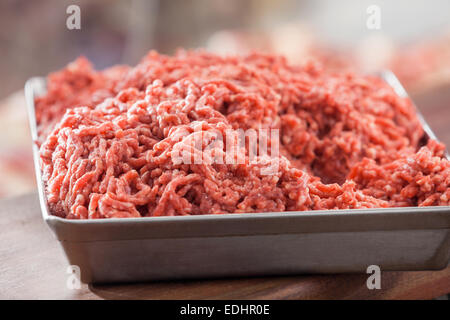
pixel 180 247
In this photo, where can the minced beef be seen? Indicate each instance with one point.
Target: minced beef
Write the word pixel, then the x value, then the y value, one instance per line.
pixel 345 141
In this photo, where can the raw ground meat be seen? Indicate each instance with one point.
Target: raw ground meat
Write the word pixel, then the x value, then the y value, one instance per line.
pixel 345 140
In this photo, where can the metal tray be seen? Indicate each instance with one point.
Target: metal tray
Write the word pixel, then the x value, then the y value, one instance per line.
pixel 181 247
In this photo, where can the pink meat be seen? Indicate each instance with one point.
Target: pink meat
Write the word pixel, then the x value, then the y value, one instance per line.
pixel 346 141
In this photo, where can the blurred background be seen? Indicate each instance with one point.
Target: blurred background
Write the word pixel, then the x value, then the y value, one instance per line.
pixel 413 39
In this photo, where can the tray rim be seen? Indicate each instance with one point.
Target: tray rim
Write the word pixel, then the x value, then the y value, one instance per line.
pixel 36 85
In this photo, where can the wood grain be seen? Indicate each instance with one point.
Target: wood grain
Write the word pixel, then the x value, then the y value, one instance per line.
pixel 33 266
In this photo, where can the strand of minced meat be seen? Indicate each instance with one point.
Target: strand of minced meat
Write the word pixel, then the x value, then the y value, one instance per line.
pixel 413 179
pixel 76 85
pixel 120 161
pixel 113 158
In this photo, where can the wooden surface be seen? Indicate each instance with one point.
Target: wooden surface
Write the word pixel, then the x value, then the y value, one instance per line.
pixel 33 266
